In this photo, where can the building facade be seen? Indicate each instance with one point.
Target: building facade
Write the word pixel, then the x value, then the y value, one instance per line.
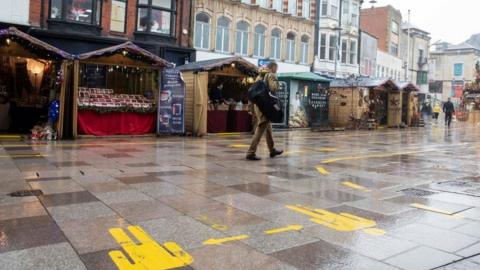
pixel 338 38
pixel 414 51
pixel 451 67
pixel 389 66
pixel 368 55
pixel 78 26
pixel 384 23
pixel 257 30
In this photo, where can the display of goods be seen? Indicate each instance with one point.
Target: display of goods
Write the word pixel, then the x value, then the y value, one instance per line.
pixel 105 101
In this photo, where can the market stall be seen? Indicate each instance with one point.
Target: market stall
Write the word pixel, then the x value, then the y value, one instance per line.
pixel 117 91
pixel 410 104
pixel 32 85
pixel 469 109
pixel 305 98
pixel 216 95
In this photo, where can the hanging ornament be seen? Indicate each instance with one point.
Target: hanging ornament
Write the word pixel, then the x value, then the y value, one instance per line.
pixel 53 111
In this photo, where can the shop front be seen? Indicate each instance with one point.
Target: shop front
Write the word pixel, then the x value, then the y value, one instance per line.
pixel 216 95
pixel 306 99
pixel 32 85
pixel 116 91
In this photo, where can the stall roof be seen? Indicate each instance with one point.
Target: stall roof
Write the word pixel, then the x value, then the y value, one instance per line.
pixel 408 86
pixel 215 64
pixel 303 76
pixel 135 51
pixel 33 45
pixel 363 82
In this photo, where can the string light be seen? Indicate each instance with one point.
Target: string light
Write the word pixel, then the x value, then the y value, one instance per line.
pixel 8 41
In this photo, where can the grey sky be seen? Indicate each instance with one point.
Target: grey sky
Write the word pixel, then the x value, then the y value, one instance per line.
pixel 453 21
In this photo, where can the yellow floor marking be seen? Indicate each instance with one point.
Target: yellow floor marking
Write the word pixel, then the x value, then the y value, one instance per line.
pixel 284 229
pixel 374 231
pixel 148 254
pixel 10 137
pixel 322 170
pixel 354 186
pixel 326 161
pixel 219 241
pixel 327 149
pixel 239 145
pixel 343 222
pixel 227 134
pixel 205 220
pixel 428 208
pixel 23 156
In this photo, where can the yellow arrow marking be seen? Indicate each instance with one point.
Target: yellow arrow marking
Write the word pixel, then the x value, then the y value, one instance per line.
pixel 326 161
pixel 354 186
pixel 327 149
pixel 239 145
pixel 343 222
pixel 148 254
pixel 205 220
pixel 284 229
pixel 227 134
pixel 220 241
pixel 374 231
pixel 23 156
pixel 432 209
pixel 322 170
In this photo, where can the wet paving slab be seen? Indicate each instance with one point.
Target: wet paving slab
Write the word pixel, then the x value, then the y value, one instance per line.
pixel 388 199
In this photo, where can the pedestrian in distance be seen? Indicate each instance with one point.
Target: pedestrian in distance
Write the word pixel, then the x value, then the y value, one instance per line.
pixel 436 111
pixel 426 112
pixel 263 125
pixel 449 110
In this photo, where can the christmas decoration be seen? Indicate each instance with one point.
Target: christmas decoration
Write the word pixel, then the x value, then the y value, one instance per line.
pixel 53 111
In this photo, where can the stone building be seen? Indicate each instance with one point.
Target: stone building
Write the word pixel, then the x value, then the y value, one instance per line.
pixel 451 67
pixel 338 38
pixel 78 26
pixel 280 30
pixel 368 55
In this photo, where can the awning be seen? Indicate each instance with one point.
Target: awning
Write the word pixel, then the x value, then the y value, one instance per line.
pixel 216 64
pixel 303 76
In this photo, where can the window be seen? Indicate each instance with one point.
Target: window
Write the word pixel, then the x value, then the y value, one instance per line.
pixel 344 51
pixel 355 10
pixel 223 36
pixel 156 16
pixel 202 31
pixel 345 12
pixel 394 27
pixel 291 47
pixel 292 7
pixel 118 16
pixel 277 5
pixel 79 11
pixel 241 41
pixel 259 41
pixel 247 1
pixel 458 69
pixel 324 8
pixel 15 11
pixel 333 48
pixel 306 9
pixel 262 3
pixel 353 52
pixel 323 46
pixel 334 9
pixel 304 49
pixel 394 49
pixel 276 44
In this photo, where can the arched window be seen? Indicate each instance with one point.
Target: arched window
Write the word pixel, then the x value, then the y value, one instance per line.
pixel 277 5
pixel 276 43
pixel 290 47
pixel 202 31
pixel 223 35
pixel 259 45
pixel 304 49
pixel 241 42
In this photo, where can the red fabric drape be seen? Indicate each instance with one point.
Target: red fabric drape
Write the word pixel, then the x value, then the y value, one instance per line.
pixel 117 123
pixel 217 121
pixel 239 121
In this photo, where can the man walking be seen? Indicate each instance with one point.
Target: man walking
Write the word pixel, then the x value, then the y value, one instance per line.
pixel 449 110
pixel 263 124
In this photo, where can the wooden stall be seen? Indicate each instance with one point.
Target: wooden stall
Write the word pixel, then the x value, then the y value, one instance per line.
pixel 410 104
pixel 216 95
pixel 33 76
pixel 116 91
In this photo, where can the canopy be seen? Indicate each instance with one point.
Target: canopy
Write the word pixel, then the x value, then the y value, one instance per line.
pixel 363 82
pixel 239 63
pixel 129 50
pixel 302 76
pixel 30 46
pixel 408 86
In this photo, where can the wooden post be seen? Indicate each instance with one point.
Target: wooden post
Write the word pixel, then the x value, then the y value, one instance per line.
pixel 76 74
pixel 61 115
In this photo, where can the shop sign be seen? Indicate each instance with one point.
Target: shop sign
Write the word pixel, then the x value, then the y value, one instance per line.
pixel 319 107
pixel 282 94
pixel 457 88
pixel 171 103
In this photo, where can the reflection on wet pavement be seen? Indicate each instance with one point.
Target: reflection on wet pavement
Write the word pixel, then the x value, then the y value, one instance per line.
pixel 389 199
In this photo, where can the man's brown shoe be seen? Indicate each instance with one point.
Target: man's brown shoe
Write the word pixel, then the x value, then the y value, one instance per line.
pixel 253 157
pixel 275 153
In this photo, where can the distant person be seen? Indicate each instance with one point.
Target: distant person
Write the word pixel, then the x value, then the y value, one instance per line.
pixel 263 124
pixel 449 110
pixel 426 112
pixel 216 96
pixel 436 111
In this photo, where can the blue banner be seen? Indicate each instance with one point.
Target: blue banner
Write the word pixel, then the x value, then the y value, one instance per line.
pixel 171 103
